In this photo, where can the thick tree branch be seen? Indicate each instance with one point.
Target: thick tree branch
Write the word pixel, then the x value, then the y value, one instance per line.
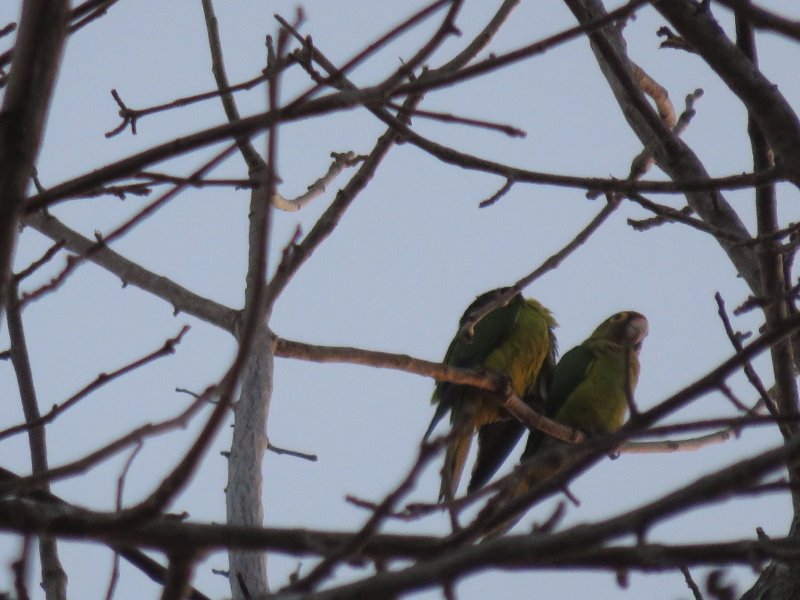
pixel 670 153
pixel 763 100
pixel 765 19
pixel 777 305
pixel 37 56
pixel 182 299
pixel 486 380
pixel 151 568
pixel 521 551
pixel 774 282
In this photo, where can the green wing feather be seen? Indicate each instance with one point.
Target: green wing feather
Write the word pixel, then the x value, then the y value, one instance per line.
pixel 490 332
pixel 588 391
pixel 497 440
pixel 570 371
pixel 515 339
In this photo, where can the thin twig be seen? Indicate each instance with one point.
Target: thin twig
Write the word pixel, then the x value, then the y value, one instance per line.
pixel 102 241
pixel 167 348
pixel 89 11
pixel 749 371
pixel 8 29
pixel 118 445
pixel 112 583
pixel 733 424
pixel 668 213
pixel 389 83
pixel 764 19
pixel 667 446
pixel 325 567
pixel 341 161
pixel 295 453
pixel 498 194
pixel 130 116
pixel 728 393
pixel 687 576
pixel 54 579
pixel 548 265
pixel 508 130
pixel 41 261
pixel 20 568
pixel 301 251
pixel 154 178
pixel 255 163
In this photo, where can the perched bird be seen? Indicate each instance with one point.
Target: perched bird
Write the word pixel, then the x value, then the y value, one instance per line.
pixel 516 340
pixel 589 391
pixel 592 382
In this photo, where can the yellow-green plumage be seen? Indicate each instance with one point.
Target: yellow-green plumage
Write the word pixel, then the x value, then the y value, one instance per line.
pixel 515 340
pixel 589 391
pixel 598 404
pixel 592 382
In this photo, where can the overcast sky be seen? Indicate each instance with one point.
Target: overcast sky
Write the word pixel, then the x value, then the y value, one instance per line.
pixel 396 274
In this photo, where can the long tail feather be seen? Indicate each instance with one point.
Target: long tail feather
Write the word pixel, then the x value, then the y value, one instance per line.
pixel 441 411
pixel 454 460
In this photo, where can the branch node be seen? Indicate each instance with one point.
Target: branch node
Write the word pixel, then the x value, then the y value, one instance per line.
pixel 128 116
pixel 498 194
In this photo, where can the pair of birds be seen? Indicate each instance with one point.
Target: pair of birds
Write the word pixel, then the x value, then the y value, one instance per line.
pixel 588 389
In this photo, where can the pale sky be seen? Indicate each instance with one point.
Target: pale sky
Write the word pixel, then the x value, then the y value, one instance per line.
pixel 407 258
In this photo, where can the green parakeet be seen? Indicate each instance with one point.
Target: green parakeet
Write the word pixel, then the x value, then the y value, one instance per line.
pixel 516 340
pixel 589 392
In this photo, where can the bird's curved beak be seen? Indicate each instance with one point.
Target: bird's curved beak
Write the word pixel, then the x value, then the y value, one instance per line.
pixel 637 329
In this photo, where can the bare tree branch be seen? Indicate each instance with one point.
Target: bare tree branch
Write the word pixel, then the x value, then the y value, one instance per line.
pixel 37 421
pixel 392 565
pixel 114 447
pixel 485 380
pixel 765 103
pixel 37 56
pixel 510 551
pixel 765 19
pixel 357 543
pixel 54 578
pixel 179 576
pixel 670 153
pixel 180 298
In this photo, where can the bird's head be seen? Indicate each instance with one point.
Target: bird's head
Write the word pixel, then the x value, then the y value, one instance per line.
pixel 627 328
